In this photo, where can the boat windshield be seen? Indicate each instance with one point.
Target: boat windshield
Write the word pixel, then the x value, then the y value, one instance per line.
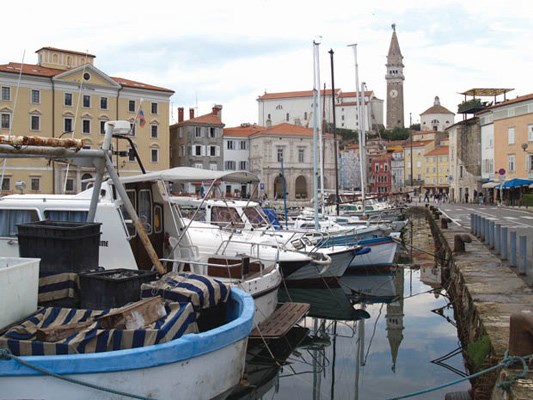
pixel 226 217
pixel 256 217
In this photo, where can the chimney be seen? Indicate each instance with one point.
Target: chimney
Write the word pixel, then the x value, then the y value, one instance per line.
pixel 217 110
pixel 191 113
pixel 180 114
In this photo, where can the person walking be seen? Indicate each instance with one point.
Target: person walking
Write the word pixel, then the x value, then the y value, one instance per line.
pixel 426 196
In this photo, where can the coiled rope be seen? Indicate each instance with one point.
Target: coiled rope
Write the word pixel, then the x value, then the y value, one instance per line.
pixel 5 354
pixel 507 362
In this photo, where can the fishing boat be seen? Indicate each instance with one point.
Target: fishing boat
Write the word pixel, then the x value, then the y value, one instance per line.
pixel 107 354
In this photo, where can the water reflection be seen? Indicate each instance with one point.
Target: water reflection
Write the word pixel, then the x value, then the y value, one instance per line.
pixel 373 336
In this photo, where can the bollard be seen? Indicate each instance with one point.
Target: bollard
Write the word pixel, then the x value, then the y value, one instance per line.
pixel 497 236
pixel 459 241
pixel 444 223
pixel 521 334
pixel 503 245
pixel 473 223
pixel 482 229
pixel 491 235
pixel 512 252
pixel 522 254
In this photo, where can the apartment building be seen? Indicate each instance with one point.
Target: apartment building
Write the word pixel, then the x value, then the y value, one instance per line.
pixel 66 95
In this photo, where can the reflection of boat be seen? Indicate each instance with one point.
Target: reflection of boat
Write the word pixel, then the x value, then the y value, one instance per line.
pixel 326 302
pixel 370 288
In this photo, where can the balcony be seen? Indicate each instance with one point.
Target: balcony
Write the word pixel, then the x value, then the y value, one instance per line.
pixel 470 106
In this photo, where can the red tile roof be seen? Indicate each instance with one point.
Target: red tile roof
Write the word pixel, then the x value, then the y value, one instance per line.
pixel 439 151
pixel 37 70
pixel 285 95
pixel 243 131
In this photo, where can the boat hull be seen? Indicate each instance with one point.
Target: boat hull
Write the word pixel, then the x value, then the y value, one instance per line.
pixel 206 364
pixel 381 255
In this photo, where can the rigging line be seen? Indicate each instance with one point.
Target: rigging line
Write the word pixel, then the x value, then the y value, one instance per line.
pixel 4 163
pixel 373 333
pixel 76 116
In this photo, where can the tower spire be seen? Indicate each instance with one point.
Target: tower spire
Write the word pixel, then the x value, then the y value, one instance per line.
pixel 394 79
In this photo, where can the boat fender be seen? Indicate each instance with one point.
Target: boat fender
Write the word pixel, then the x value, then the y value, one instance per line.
pixel 323 260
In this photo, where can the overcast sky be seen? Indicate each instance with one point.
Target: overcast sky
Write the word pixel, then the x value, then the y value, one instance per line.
pixel 230 52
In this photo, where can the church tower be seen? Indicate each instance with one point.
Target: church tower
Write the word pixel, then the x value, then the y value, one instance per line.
pixel 394 78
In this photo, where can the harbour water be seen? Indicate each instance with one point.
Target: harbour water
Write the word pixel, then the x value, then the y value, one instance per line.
pixel 374 336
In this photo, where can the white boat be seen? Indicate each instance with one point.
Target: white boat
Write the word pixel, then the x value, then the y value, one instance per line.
pixel 121 245
pixel 102 362
pixel 243 228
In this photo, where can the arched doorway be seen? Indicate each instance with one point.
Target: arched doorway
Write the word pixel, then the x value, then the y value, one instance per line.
pixel 301 188
pixel 278 187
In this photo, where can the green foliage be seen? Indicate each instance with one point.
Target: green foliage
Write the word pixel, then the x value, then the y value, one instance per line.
pixel 527 200
pixel 396 134
pixel 415 127
pixel 477 352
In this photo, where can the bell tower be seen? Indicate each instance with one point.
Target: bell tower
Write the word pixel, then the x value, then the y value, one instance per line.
pixel 394 78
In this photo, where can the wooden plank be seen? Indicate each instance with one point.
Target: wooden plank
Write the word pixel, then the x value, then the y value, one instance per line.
pixel 281 321
pixel 134 315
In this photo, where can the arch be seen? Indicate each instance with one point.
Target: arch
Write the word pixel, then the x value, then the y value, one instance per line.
pixel 86 181
pixel 300 190
pixel 278 187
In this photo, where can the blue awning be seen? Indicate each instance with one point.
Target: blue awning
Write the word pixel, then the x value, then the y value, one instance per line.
pixel 514 183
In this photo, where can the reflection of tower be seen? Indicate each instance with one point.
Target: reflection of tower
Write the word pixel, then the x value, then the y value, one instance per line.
pixel 394 318
pixel 394 78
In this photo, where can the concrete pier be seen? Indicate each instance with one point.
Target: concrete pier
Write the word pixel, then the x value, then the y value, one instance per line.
pixel 485 292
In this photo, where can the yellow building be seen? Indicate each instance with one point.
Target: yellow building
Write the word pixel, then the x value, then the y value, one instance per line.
pixel 437 169
pixel 65 95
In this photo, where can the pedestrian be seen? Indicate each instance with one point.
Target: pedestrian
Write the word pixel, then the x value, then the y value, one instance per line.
pixel 426 196
pixel 466 197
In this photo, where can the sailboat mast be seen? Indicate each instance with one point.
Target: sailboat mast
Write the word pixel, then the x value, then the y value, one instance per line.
pixel 362 151
pixel 335 144
pixel 316 102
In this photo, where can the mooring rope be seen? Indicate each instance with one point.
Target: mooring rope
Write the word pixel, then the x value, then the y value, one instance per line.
pixel 507 362
pixel 5 354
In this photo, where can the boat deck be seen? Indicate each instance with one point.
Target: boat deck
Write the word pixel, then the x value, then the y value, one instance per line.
pixel 281 321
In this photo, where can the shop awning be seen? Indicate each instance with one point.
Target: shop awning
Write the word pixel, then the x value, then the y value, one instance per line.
pixel 490 185
pixel 514 183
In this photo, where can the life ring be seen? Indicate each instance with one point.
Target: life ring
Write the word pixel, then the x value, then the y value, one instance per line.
pixel 325 259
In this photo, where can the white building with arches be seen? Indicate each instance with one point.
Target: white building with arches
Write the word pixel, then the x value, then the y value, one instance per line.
pixel 436 118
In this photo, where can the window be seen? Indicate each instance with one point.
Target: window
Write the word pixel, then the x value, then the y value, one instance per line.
pixel 229 166
pixel 229 145
pixel 461 171
pixel 243 165
pixel 510 135
pixel 305 116
pixel 154 154
pixel 6 93
pixel 86 101
pixel 35 184
pixel 35 96
pixel 530 133
pixel 131 106
pixel 102 127
pixel 530 163
pixel 35 123
pixel 198 150
pixel 212 132
pixel 154 108
pixel 213 167
pixel 145 209
pixel 6 183
pixel 69 187
pixel 198 165
pixel 6 121
pixel 9 219
pixel 68 99
pixel 131 154
pixel 279 107
pixel 154 131
pixel 86 126
pixel 212 151
pixel 510 163
pixel 287 117
pixel 280 154
pixel 67 125
pixel 376 167
pixel 243 145
pixel 103 103
pixel 301 155
pixel 198 132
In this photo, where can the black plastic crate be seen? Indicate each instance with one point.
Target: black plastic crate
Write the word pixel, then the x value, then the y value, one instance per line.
pixel 62 246
pixel 112 288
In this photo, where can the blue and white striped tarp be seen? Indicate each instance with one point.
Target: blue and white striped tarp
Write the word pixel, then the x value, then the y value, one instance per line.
pixel 203 292
pixel 21 339
pixel 54 286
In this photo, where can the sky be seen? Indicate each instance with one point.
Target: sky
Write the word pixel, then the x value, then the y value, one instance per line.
pixel 231 52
